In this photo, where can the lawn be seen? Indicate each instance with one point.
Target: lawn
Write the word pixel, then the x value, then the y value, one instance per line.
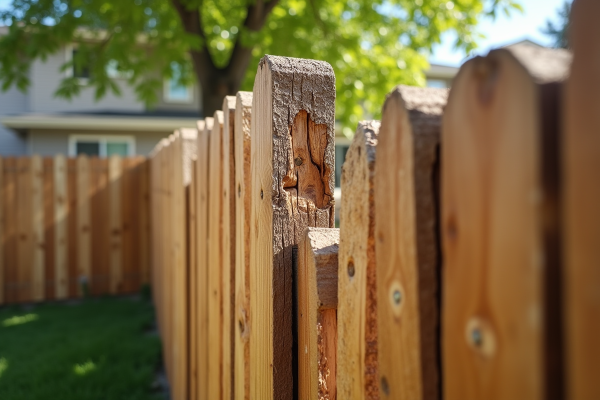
pixel 102 349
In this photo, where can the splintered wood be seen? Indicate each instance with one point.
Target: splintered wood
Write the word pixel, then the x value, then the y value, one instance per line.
pixel 501 293
pixel 317 283
pixel 243 114
pixel 582 196
pixel 357 286
pixel 407 254
pixel 292 167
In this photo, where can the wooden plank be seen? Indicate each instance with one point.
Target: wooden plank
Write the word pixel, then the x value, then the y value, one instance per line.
pixel 499 224
pixel 317 280
pixel 49 244
pixel 11 284
pixel 25 234
pixel 581 215
pixel 2 232
pixel 292 188
pixel 61 209
pixel 243 113
pixel 407 254
pixel 192 282
pixel 144 222
pixel 202 165
pixel 115 174
pixel 100 279
pixel 84 234
pixel 127 184
pixel 215 259
pixel 72 233
pixel 38 273
pixel 357 373
pixel 228 243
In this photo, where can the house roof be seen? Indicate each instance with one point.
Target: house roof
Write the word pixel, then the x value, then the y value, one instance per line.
pixel 109 121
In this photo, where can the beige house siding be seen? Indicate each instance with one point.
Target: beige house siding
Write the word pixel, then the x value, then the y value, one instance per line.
pixel 47 142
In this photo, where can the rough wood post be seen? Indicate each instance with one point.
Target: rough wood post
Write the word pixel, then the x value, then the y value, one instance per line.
pixel 115 172
pixel 84 240
pixel 407 254
pixel 292 188
pixel 215 258
pixel 357 376
pixel 317 283
pixel 37 232
pixel 202 165
pixel 501 291
pixel 192 281
pixel 243 113
pixel 581 154
pixel 228 252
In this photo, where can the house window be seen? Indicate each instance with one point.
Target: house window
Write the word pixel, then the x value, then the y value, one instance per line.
pixel 174 90
pixel 101 146
pixel 82 70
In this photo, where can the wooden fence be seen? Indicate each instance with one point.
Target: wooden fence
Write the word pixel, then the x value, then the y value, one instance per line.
pixel 466 262
pixel 73 226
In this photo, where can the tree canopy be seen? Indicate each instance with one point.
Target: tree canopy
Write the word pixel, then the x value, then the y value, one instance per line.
pixel 558 30
pixel 372 45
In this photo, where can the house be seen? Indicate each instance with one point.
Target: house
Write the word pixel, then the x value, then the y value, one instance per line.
pixel 36 122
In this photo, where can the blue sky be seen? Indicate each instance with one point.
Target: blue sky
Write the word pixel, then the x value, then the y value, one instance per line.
pixel 501 31
pixel 504 31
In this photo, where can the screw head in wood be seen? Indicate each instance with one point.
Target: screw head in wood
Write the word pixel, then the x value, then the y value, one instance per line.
pixel 261 193
pixel 385 387
pixel 350 268
pixel 239 190
pixel 477 337
pixel 298 161
pixel 397 296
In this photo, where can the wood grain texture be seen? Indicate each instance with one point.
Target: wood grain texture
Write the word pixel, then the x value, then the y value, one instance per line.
pixel 501 336
pixel 73 278
pixel 407 252
pixel 84 239
pixel 10 230
pixel 24 232
pixel 38 273
pixel 61 289
pixel 317 282
pixel 191 204
pixel 292 188
pixel 581 154
pixel 228 249
pixel 202 165
pixel 48 167
pixel 100 278
pixel 242 143
pixel 216 209
pixel 357 376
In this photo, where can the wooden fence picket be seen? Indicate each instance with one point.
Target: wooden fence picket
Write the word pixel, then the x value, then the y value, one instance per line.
pixel 61 207
pixel 243 113
pixel 581 156
pixel 292 171
pixel 84 234
pixel 11 283
pixel 204 129
pixel 38 275
pixel 317 299
pixel 501 332
pixel 115 172
pixel 357 373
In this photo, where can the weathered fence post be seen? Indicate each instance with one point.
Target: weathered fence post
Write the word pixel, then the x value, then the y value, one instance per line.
pixel 202 165
pixel 357 376
pixel 292 188
pixel 317 283
pixel 84 255
pixel 582 196
pixel 243 112
pixel 38 278
pixel 115 172
pixel 228 252
pixel 407 254
pixel 216 208
pixel 500 200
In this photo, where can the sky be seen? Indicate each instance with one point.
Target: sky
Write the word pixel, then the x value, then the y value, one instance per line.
pixel 498 32
pixel 503 31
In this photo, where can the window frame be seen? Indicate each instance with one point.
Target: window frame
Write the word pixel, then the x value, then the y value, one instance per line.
pixel 168 99
pixel 102 140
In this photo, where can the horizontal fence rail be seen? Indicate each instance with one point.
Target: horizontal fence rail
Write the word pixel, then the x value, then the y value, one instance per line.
pixel 72 227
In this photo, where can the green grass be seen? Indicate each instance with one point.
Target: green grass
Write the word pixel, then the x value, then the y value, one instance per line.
pixel 96 349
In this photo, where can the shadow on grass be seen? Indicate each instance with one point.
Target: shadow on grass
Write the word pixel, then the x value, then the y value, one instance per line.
pixel 92 349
